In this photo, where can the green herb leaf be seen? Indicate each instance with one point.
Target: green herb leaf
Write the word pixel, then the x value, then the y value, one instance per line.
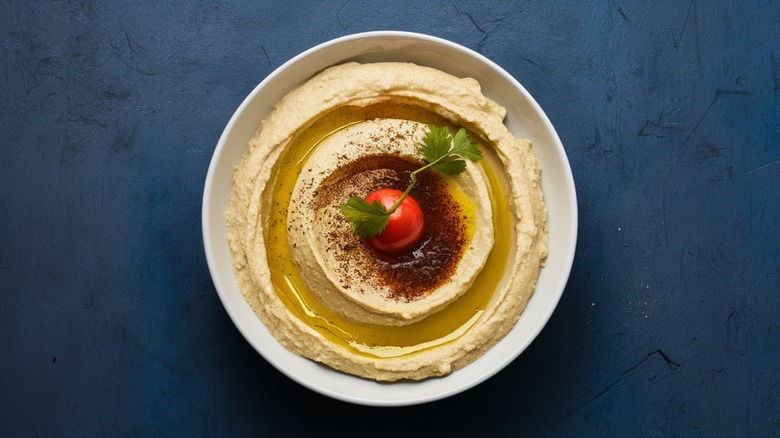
pixel 367 220
pixel 440 151
pixel 464 147
pixel 436 143
pixel 449 165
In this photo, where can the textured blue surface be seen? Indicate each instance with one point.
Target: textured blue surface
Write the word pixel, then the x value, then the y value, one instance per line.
pixel 670 114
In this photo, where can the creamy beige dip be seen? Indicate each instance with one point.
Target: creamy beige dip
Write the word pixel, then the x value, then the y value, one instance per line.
pixel 338 269
pixel 348 287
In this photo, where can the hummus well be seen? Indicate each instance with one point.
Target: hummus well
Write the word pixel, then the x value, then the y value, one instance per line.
pixel 319 289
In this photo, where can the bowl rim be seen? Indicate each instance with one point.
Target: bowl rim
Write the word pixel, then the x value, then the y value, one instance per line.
pixel 208 193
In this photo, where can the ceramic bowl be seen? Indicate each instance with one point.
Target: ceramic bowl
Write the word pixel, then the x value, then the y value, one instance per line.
pixel 524 118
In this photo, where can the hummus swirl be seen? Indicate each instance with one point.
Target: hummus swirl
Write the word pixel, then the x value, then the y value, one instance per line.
pixel 337 266
pixel 507 240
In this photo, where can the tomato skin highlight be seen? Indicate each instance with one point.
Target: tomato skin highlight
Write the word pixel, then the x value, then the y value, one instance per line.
pixel 404 227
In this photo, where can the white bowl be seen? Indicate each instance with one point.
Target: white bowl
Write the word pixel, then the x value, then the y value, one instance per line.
pixel 524 118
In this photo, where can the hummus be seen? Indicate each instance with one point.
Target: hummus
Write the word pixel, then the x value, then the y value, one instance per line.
pixel 322 291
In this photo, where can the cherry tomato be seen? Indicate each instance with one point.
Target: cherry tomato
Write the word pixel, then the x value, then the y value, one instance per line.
pixel 405 225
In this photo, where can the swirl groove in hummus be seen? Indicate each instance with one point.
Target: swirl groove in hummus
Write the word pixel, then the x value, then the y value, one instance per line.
pixel 319 289
pixel 341 270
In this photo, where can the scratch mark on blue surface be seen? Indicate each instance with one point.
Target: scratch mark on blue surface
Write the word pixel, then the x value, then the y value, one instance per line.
pixel 118 51
pixel 676 38
pixel 162 362
pixel 486 33
pixel 338 18
pixel 474 22
pixel 674 366
pixel 622 14
pixel 265 54
pixel 715 98
pixel 656 128
pixel 131 45
pixel 534 63
pixel 763 166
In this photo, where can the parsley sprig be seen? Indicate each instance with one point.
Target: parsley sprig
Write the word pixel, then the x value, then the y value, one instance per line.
pixel 440 151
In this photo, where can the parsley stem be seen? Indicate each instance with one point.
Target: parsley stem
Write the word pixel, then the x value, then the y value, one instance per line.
pixel 412 183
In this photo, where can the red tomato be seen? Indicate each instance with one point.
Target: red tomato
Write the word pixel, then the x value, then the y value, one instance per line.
pixel 405 225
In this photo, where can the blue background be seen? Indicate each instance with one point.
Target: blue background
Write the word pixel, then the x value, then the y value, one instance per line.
pixel 669 112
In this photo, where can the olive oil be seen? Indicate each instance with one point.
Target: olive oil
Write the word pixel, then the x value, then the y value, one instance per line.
pixel 375 340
